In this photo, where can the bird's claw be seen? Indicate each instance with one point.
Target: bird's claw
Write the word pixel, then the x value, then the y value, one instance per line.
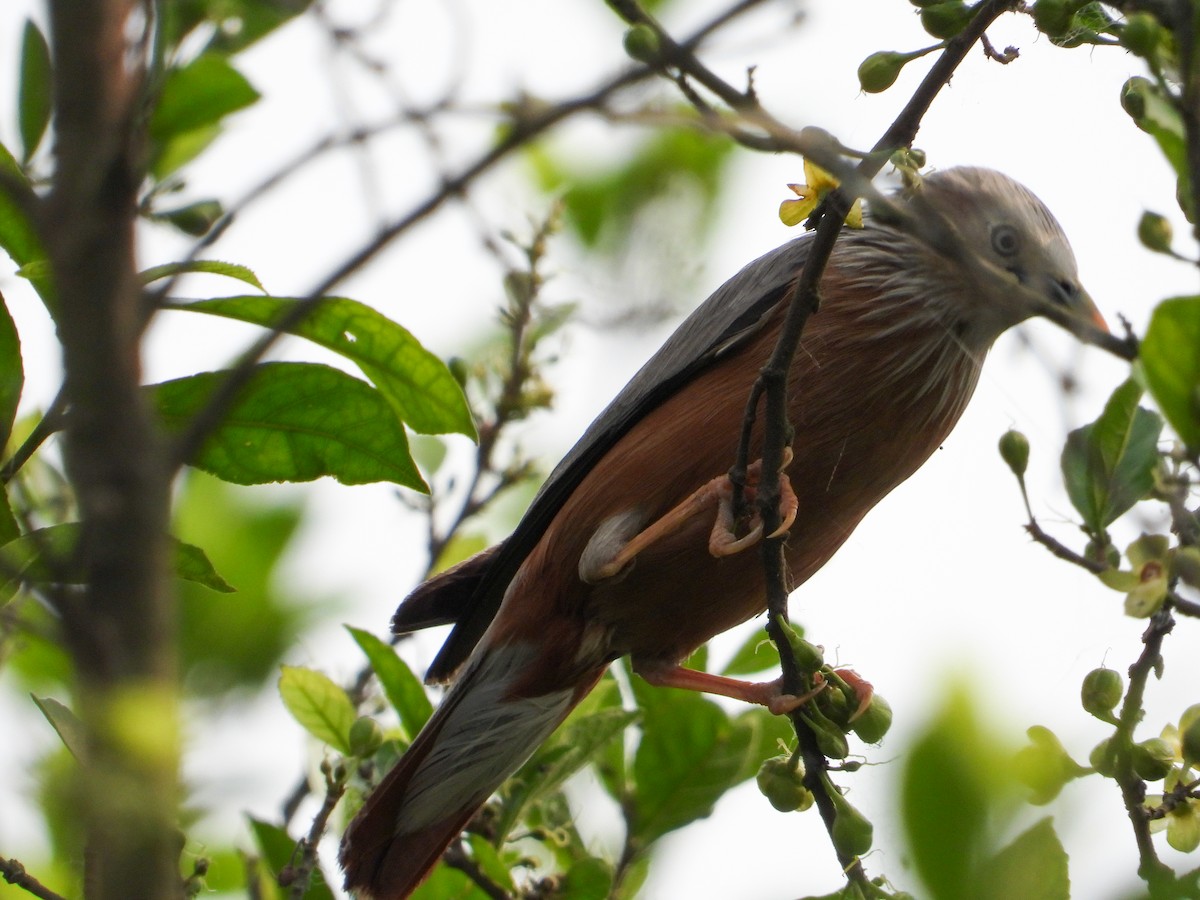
pixel 723 540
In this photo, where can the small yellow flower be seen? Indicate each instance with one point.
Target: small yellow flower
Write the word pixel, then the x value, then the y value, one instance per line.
pixel 820 183
pixel 1182 823
pixel 1147 584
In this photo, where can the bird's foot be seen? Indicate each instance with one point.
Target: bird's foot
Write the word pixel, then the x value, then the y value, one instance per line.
pixel 608 555
pixel 724 541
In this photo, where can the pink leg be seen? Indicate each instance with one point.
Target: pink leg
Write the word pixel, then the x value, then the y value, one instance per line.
pixel 762 693
pixel 722 542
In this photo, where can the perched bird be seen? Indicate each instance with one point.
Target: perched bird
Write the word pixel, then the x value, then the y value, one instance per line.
pixel 618 555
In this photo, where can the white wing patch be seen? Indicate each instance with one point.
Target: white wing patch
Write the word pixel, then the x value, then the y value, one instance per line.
pixel 485 737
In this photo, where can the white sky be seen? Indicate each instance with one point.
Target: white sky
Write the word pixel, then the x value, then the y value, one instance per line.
pixel 939 579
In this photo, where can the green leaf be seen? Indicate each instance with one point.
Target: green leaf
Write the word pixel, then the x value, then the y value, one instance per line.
pixel 230 641
pixel 757 654
pixel 319 705
pixel 193 101
pixel 9 529
pixel 278 848
pixel 192 564
pixel 489 862
pixel 602 205
pixel 209 266
pixel 417 384
pixel 240 23
pixel 46 555
pixel 689 756
pixel 1170 356
pixel 767 735
pixel 1032 867
pixel 574 745
pixel 951 783
pixel 70 730
pixel 402 688
pixel 18 236
pixel 294 422
pixel 34 97
pixel 12 373
pixel 1109 465
pixel 588 879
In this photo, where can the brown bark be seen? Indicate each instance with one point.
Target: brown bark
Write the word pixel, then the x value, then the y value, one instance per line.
pixel 119 628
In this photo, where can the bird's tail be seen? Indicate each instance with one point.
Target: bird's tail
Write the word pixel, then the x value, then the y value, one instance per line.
pixel 480 734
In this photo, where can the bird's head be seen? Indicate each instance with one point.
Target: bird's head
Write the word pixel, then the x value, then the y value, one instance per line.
pixel 1010 252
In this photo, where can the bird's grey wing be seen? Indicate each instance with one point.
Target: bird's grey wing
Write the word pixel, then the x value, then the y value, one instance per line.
pixel 717 327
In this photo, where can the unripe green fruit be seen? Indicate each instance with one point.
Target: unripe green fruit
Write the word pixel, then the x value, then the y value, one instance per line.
pixel 879 71
pixel 1133 96
pixel 1102 758
pixel 875 721
pixel 1155 232
pixel 366 736
pixel 1101 692
pixel 1185 565
pixel 1053 17
pixel 782 783
pixel 1189 734
pixel 852 832
pixel 945 20
pixel 1014 450
pixel 1140 34
pixel 1152 759
pixel 641 43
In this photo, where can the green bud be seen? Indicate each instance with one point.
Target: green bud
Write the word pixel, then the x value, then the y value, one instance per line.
pixel 1014 450
pixel 830 738
pixel 1053 17
pixel 852 832
pixel 875 721
pixel 879 71
pixel 365 737
pixel 809 657
pixel 1155 233
pixel 641 43
pixel 1141 34
pixel 945 20
pixel 1103 758
pixel 1185 565
pixel 834 703
pixel 1103 552
pixel 1152 759
pixel 1101 692
pixel 1189 734
pixel 782 782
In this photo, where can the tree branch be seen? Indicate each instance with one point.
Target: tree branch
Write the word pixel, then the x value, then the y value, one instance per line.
pixel 120 630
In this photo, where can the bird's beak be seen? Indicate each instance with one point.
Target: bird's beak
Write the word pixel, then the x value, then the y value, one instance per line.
pixel 1086 308
pixel 1078 304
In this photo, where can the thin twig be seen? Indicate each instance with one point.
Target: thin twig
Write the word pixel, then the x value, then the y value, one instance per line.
pixel 14 873
pixel 805 301
pixel 1133 790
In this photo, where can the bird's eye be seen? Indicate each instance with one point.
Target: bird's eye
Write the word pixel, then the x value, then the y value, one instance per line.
pixel 1005 240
